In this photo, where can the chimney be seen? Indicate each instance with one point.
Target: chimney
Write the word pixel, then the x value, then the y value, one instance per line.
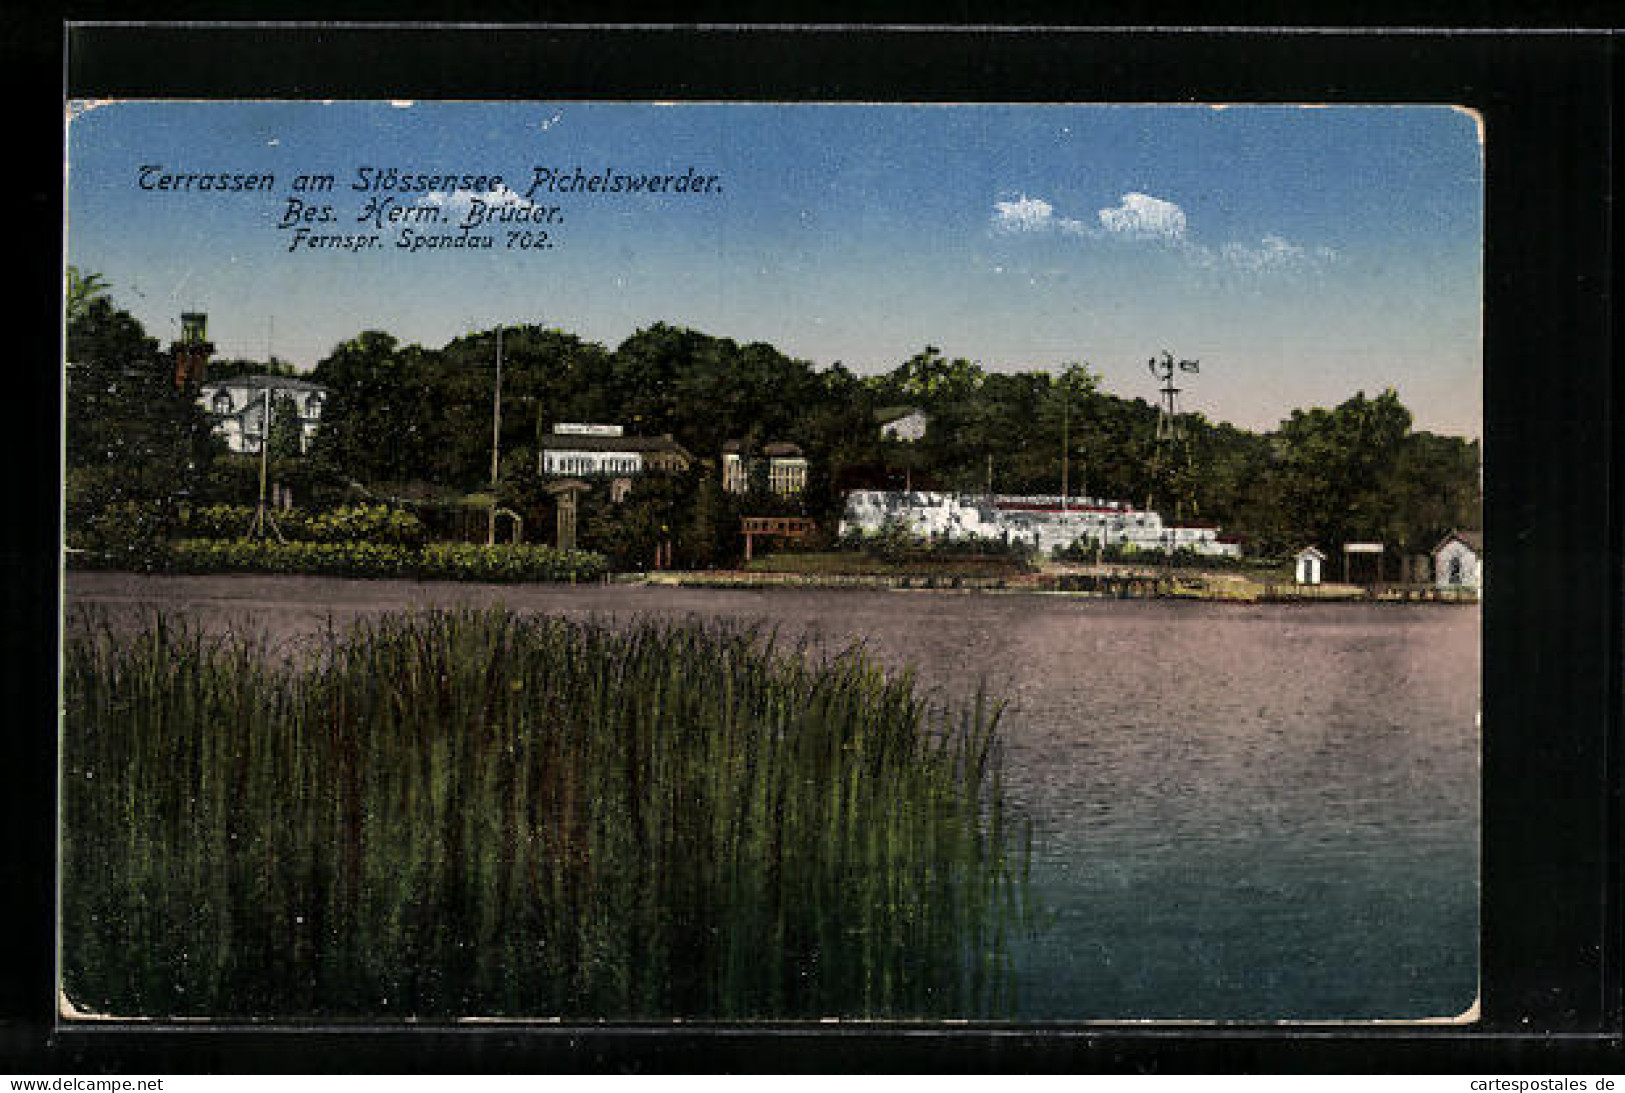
pixel 192 351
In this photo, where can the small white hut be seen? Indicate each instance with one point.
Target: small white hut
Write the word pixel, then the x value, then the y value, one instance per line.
pixel 1307 565
pixel 1458 560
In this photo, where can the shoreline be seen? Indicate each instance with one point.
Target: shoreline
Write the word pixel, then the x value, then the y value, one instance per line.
pixel 1122 585
pixel 1133 584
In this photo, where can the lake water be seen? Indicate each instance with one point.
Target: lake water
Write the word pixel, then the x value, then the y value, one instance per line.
pixel 1241 813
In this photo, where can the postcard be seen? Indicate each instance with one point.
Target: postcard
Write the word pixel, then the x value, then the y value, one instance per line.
pixel 750 562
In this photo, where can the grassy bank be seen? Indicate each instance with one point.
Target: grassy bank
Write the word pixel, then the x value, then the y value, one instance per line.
pixel 465 813
pixel 853 563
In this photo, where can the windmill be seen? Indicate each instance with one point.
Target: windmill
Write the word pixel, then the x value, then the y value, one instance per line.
pixel 1173 449
pixel 1168 424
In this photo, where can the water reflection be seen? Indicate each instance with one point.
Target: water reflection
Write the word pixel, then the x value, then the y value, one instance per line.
pixel 1242 812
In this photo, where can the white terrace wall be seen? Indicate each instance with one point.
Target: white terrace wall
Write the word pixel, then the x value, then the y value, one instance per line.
pixel 962 516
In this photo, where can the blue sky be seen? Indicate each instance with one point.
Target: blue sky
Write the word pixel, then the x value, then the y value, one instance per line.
pixel 1301 254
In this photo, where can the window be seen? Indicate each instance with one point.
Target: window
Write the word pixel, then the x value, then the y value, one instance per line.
pixel 222 402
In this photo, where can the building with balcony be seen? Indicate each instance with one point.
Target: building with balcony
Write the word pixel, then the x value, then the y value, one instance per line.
pixel 592 452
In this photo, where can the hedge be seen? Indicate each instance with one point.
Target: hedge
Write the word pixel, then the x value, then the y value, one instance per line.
pixel 346 524
pixel 438 561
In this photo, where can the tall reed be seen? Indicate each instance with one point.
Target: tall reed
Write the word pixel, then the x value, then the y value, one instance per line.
pixel 468 813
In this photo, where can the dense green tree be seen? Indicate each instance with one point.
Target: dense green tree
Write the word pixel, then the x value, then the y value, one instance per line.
pixel 632 531
pixel 1332 465
pixel 709 536
pixel 130 432
pixel 932 380
pixel 286 437
pixel 380 423
pixel 1429 488
pixel 239 366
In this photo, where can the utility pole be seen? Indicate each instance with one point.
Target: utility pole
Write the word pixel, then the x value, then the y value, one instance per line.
pixel 496 444
pixel 262 515
pixel 1066 441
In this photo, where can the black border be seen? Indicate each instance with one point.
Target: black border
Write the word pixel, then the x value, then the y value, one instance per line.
pixel 1552 913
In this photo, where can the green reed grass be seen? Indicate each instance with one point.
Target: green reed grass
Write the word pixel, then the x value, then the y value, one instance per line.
pixel 476 813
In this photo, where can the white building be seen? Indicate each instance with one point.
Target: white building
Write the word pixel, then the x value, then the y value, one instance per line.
pixel 236 407
pixel 604 451
pixel 1307 565
pixel 1458 560
pixel 1044 523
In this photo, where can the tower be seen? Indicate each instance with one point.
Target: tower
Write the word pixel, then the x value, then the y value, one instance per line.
pixel 191 351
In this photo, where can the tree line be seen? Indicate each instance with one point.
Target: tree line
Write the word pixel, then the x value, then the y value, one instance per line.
pixel 410 421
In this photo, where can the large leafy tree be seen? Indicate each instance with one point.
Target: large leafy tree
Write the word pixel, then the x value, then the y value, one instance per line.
pixel 1332 465
pixel 380 423
pixel 1430 487
pixel 548 376
pixel 131 434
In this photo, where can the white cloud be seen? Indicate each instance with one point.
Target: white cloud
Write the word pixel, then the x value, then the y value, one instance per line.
pixel 1024 214
pixel 1143 216
pixel 1274 253
pixel 1271 252
pixel 1033 214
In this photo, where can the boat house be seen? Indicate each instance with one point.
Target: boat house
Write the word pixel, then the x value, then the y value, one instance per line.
pixel 1458 560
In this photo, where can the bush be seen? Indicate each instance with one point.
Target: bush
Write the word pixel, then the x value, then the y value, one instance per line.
pixel 893 542
pixel 217 521
pixel 269 556
pixel 368 523
pixel 124 535
pixel 345 524
pixel 510 562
